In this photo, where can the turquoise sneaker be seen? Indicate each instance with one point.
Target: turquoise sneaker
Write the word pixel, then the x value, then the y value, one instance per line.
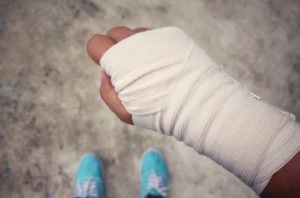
pixel 89 178
pixel 154 176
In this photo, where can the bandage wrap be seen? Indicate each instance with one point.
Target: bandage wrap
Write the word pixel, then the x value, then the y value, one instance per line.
pixel 170 85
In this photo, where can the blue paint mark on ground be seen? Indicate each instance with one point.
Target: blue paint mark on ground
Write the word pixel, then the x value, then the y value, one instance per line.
pixel 7 169
pixel 3 24
pixel 48 195
pixel 12 86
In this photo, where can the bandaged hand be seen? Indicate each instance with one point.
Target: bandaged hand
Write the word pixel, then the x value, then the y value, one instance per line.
pixel 161 80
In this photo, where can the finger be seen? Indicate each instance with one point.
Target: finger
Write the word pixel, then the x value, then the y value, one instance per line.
pixel 112 100
pixel 106 81
pixel 140 29
pixel 97 45
pixel 119 33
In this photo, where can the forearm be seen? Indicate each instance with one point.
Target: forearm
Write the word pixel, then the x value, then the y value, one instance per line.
pixel 285 182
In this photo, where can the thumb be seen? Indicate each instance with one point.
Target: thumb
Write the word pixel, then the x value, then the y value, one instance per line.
pixel 110 97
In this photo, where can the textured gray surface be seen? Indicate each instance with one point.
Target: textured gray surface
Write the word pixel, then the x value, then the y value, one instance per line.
pixel 50 109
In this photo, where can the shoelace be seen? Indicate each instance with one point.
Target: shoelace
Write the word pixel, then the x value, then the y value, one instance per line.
pixel 89 188
pixel 156 182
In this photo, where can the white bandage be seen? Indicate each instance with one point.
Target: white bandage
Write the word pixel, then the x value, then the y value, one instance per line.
pixel 169 84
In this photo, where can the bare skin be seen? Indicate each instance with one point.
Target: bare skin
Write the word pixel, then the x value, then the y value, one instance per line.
pixel 284 183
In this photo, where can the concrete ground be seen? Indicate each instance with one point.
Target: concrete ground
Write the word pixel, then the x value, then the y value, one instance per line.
pixel 51 113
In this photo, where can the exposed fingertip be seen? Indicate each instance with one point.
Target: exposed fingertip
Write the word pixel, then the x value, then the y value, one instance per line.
pixel 119 33
pixel 97 45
